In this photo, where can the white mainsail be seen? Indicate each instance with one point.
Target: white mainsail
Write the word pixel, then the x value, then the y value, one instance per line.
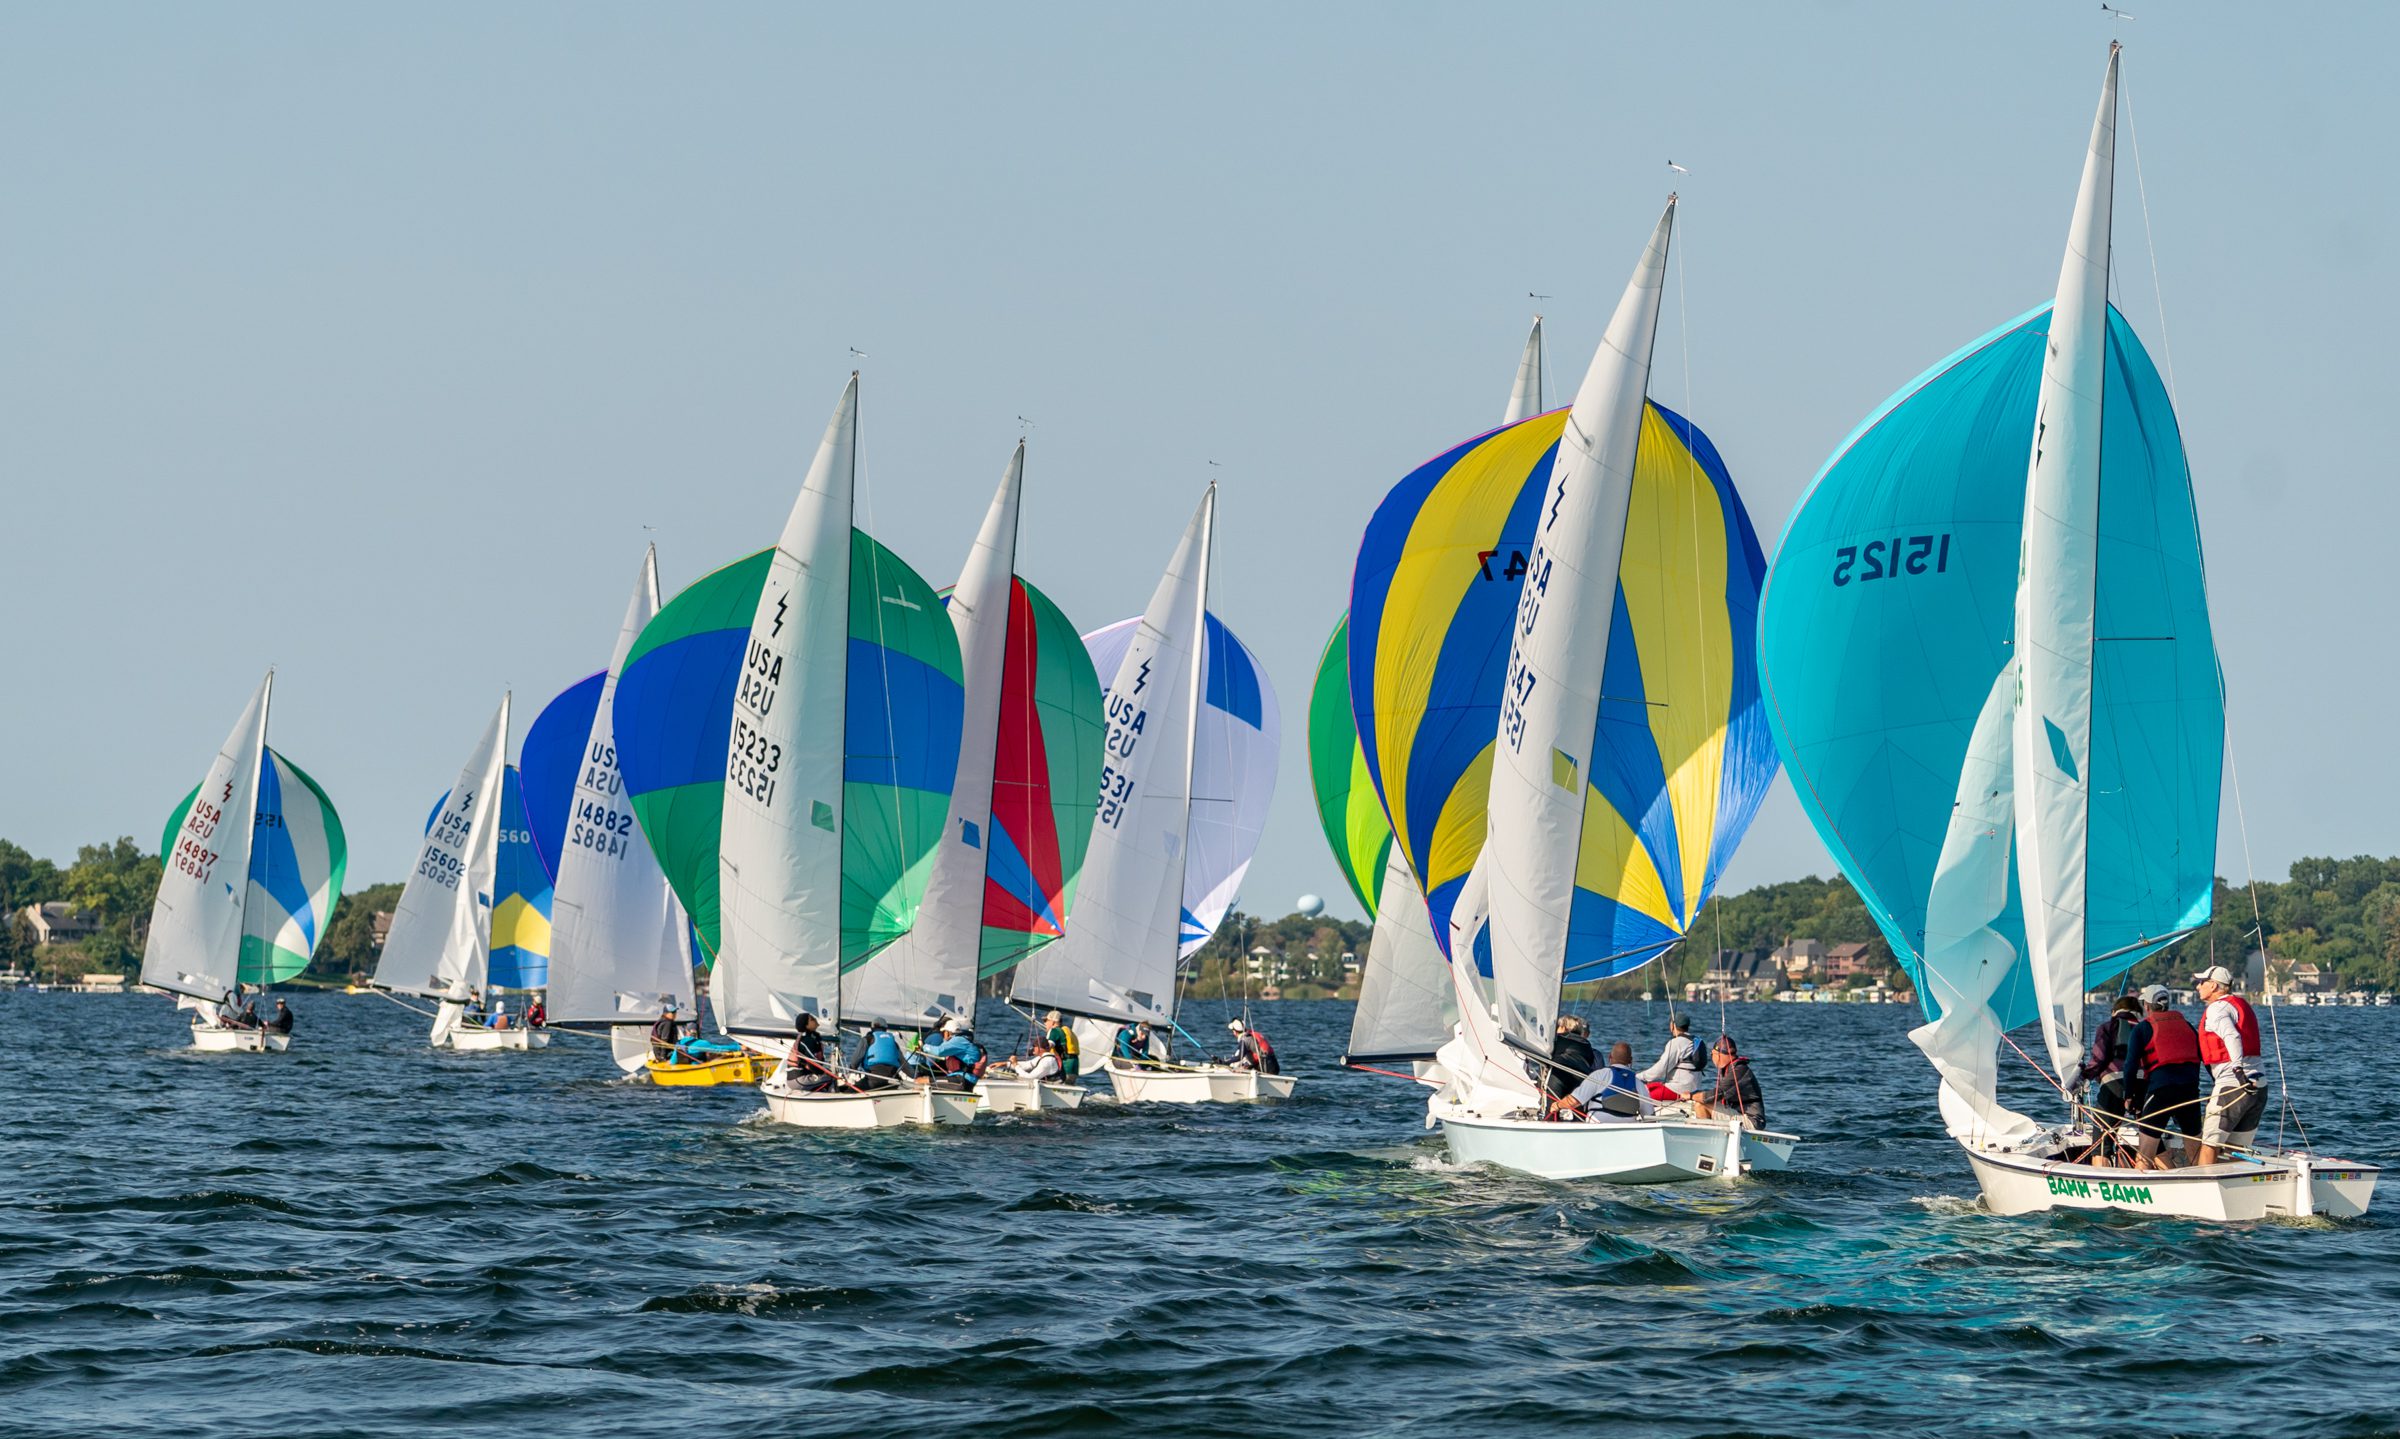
pixel 931 970
pixel 441 930
pixel 617 950
pixel 1123 940
pixel 1550 701
pixel 1525 396
pixel 779 863
pixel 2056 585
pixel 195 943
pixel 1406 1009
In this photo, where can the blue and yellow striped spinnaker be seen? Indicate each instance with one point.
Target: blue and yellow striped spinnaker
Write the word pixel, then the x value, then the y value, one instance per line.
pixel 1681 757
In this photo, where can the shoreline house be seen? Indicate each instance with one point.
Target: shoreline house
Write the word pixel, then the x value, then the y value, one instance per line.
pixel 1853 961
pixel 58 922
pixel 1738 974
pixel 1802 961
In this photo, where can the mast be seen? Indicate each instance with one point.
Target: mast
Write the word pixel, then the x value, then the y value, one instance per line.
pixel 1525 396
pixel 2056 588
pixel 1549 709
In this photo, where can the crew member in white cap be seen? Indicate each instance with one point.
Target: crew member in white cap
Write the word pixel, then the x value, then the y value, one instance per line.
pixel 2229 1047
pixel 1255 1052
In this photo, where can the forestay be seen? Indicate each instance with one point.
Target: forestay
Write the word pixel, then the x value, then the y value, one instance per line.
pixel 197 919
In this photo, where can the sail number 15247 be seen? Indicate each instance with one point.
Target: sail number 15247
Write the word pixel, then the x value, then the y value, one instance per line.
pixel 1891 559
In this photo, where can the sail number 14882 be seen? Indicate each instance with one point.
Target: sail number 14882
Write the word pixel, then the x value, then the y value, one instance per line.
pixel 1890 559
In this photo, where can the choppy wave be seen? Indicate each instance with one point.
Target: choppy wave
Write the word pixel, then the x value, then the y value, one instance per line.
pixel 360 1239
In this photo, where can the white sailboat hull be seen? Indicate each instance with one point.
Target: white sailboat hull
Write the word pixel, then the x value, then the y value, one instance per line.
pixel 869 1109
pixel 1197 1084
pixel 469 1039
pixel 216 1039
pixel 1633 1151
pixel 1008 1094
pixel 2295 1186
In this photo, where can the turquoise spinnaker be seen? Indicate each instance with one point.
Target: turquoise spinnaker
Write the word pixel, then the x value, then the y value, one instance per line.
pixel 1889 615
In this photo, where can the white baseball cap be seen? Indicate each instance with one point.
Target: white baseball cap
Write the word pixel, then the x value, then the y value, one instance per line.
pixel 2158 996
pixel 1234 1024
pixel 2215 973
pixel 954 1025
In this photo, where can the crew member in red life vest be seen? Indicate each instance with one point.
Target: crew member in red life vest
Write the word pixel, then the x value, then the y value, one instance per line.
pixel 2229 1047
pixel 1254 1051
pixel 2170 1081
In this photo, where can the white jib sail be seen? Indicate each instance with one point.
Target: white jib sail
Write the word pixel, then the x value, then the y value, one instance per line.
pixel 1120 950
pixel 1406 1009
pixel 931 970
pixel 1550 700
pixel 1965 960
pixel 195 943
pixel 441 929
pixel 779 862
pixel 1525 396
pixel 2056 585
pixel 617 951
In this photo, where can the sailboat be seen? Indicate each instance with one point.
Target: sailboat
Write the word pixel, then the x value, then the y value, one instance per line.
pixel 1551 678
pixel 1134 905
pixel 1003 873
pixel 439 946
pixel 1407 1009
pixel 618 948
pixel 1985 646
pixel 211 937
pixel 788 729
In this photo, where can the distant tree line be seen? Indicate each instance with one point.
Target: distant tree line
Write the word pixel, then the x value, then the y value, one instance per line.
pixel 2342 915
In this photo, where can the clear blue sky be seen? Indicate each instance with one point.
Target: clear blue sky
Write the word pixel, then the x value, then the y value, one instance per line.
pixel 363 341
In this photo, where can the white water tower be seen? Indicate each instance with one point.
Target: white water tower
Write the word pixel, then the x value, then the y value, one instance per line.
pixel 1311 906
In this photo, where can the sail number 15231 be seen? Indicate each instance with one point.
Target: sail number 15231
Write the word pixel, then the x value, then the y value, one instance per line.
pixel 1891 559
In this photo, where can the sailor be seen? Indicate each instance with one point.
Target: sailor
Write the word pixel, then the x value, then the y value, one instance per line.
pixel 1042 1064
pixel 249 1015
pixel 1611 1091
pixel 537 1014
pixel 2115 1063
pixel 955 1053
pixel 664 1033
pixel 1062 1044
pixel 1134 1044
pixel 1680 1066
pixel 804 1063
pixel 879 1058
pixel 499 1015
pixel 1254 1052
pixel 1571 1057
pixel 2237 1094
pixel 282 1022
pixel 1737 1089
pixel 2170 1079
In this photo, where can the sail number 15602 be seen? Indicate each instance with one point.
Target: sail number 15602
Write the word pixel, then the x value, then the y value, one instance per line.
pixel 1891 559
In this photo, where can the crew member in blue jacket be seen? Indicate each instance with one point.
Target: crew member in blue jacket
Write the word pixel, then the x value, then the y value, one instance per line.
pixel 878 1059
pixel 955 1053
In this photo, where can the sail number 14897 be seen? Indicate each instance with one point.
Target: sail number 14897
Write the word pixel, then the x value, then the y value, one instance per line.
pixel 1891 559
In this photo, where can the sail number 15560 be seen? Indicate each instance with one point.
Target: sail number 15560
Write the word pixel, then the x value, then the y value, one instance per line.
pixel 1891 559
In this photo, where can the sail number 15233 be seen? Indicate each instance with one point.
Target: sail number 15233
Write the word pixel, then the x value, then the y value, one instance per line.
pixel 1891 559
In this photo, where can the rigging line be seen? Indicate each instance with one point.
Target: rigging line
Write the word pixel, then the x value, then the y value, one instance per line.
pixel 2158 295
pixel 1692 481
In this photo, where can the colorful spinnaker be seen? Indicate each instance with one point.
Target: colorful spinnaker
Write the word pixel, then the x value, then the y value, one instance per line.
pixel 824 677
pixel 1235 750
pixel 1679 758
pixel 298 856
pixel 520 957
pixel 1021 810
pixel 1994 681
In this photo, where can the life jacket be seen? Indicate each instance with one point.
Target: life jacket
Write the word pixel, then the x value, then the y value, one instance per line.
pixel 1264 1048
pixel 2171 1041
pixel 2245 1019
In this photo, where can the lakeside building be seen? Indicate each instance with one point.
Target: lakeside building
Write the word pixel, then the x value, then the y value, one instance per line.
pixel 58 922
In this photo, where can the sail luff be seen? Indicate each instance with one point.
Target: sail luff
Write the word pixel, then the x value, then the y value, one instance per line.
pixel 617 949
pixel 1558 653
pixel 780 855
pixel 931 970
pixel 196 921
pixel 2056 590
pixel 1525 396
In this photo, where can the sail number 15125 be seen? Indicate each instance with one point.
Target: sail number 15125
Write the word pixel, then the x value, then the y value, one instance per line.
pixel 1891 559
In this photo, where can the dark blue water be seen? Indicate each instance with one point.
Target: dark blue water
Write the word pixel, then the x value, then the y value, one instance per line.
pixel 367 1238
